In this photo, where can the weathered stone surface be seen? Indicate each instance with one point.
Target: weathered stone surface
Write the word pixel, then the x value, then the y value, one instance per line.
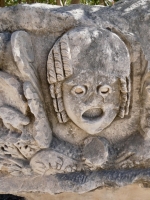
pixel 74 97
pixel 130 192
pixel 95 152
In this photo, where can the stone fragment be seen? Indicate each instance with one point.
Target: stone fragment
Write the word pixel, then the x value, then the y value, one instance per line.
pixel 42 131
pixel 95 152
pixel 13 118
pixel 74 97
pixel 48 162
pixel 11 92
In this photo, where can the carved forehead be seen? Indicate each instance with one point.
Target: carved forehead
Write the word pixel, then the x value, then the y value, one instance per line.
pixel 86 49
pixel 98 49
pixel 88 77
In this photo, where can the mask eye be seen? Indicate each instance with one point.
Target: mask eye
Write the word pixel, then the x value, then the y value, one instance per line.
pixel 78 90
pixel 104 90
pixel 148 88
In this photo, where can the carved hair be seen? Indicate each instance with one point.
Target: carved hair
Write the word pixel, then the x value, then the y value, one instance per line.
pixel 59 68
pixel 125 89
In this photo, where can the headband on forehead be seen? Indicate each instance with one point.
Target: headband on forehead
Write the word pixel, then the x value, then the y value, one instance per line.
pixel 60 66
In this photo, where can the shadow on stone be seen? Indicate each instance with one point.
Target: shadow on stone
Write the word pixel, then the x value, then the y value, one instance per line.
pixel 10 197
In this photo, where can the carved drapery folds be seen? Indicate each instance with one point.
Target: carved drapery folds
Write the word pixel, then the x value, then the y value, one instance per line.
pixel 20 98
pixel 24 56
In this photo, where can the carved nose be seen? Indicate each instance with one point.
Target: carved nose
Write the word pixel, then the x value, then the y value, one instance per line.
pixel 93 99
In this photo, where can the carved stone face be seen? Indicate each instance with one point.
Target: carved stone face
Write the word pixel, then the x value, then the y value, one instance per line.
pixel 92 95
pixel 91 100
pixel 93 66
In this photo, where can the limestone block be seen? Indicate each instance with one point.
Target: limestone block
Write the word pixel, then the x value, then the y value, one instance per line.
pixel 74 97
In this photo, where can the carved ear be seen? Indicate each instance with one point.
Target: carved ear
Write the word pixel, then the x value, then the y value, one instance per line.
pixel 59 61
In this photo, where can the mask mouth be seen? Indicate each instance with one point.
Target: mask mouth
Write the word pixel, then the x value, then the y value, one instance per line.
pixel 92 114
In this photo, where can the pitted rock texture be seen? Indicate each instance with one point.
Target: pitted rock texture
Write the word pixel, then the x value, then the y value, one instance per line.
pixel 74 97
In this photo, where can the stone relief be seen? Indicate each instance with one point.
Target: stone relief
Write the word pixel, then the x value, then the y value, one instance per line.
pixel 83 116
pixel 96 87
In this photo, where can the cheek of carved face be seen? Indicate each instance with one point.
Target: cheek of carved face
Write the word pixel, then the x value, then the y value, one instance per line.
pixel 92 105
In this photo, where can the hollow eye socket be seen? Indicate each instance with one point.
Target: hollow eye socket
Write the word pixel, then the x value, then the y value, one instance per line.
pixel 104 89
pixel 78 90
pixel 148 88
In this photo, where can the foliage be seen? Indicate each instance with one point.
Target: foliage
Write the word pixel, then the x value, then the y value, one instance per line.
pixel 64 2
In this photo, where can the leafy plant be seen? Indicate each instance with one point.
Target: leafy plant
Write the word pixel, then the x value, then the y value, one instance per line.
pixel 58 2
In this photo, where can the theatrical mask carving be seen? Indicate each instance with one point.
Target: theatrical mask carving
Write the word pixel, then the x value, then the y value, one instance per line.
pixel 89 74
pixel 88 71
pixel 74 97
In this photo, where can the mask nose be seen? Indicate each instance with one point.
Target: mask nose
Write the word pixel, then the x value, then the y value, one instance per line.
pixel 94 100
